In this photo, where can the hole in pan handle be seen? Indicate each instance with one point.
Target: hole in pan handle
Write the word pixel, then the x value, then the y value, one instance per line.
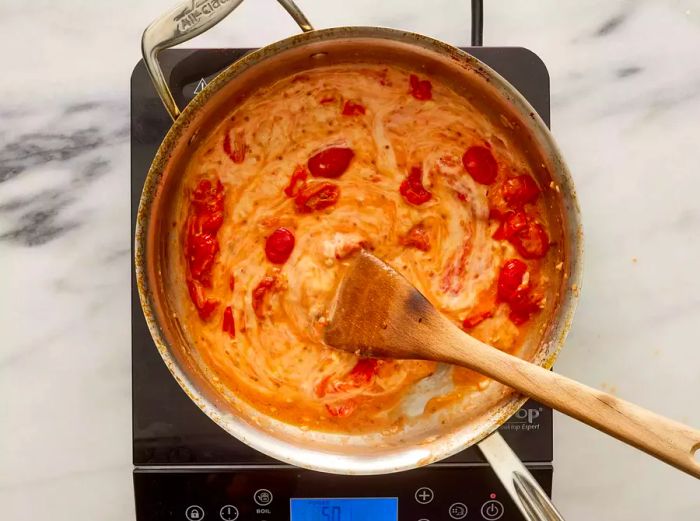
pixel 188 19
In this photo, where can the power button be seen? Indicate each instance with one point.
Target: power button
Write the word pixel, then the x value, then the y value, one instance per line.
pixel 492 510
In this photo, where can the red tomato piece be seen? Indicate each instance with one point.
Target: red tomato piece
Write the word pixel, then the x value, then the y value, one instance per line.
pixel 518 318
pixel 296 182
pixel 532 242
pixel 331 162
pixel 365 369
pixel 510 279
pixel 205 307
pixel 519 297
pixel 279 246
pixel 522 306
pixel 201 250
pixel 420 89
pixel 479 162
pixel 317 196
pixel 417 237
pixel 412 188
pixel 496 214
pixel 350 108
pixel 513 222
pixel 529 237
pixel 229 325
pixel 342 409
pixel 520 190
pixel 208 197
pixel 208 223
pixel 205 217
pixel 267 284
pixel 235 150
pixel 474 320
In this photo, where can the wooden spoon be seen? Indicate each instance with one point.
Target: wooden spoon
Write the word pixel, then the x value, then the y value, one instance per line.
pixel 377 312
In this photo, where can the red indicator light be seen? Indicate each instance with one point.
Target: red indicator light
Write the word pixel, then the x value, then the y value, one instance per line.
pixel 492 495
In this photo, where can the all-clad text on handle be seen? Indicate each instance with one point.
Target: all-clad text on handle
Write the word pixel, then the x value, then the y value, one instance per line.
pixel 185 21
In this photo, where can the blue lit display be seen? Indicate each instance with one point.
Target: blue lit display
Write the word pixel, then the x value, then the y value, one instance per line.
pixel 345 509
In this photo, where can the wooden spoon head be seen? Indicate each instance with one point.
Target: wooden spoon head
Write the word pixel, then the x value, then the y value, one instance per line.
pixel 377 312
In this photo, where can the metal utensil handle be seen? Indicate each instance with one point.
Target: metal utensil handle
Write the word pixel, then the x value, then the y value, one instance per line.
pixel 527 494
pixel 185 21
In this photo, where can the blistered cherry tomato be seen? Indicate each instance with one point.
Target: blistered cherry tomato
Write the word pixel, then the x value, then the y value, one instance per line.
pixel 207 196
pixel 532 242
pixel 412 188
pixel 229 325
pixel 205 218
pixel 527 235
pixel 279 246
pixel 474 320
pixel 201 250
pixel 420 89
pixel 520 190
pixel 317 196
pixel 235 150
pixel 516 293
pixel 208 222
pixel 512 223
pixel 510 279
pixel 350 108
pixel 331 162
pixel 522 306
pixel 296 182
pixel 417 237
pixel 205 307
pixel 479 162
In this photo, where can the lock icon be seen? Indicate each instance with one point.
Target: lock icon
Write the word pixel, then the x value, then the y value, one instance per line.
pixel 194 513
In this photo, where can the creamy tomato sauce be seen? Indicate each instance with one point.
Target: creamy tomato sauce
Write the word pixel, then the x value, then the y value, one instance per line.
pixel 309 170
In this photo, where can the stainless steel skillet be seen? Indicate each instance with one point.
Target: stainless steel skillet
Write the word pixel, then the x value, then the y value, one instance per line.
pixel 423 442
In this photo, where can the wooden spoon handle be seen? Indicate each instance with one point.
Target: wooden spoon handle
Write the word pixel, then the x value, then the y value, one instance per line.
pixel 665 439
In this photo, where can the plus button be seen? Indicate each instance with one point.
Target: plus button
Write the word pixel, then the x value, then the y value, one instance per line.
pixel 424 495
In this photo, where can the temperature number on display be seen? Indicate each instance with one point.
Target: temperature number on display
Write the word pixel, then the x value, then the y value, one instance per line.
pixel 330 513
pixel 345 509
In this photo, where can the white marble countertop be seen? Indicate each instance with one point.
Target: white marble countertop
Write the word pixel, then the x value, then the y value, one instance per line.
pixel 625 79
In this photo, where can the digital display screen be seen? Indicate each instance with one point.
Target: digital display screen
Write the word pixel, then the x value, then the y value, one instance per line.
pixel 345 509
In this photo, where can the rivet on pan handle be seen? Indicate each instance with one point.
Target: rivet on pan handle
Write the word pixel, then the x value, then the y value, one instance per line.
pixel 523 489
pixel 189 19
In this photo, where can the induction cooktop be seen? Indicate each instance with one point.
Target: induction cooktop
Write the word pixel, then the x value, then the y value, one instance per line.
pixel 188 468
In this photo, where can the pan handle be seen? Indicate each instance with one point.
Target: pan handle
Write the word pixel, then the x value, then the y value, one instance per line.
pixel 523 489
pixel 188 19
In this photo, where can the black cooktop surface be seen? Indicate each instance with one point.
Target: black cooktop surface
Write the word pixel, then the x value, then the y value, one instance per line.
pixel 168 428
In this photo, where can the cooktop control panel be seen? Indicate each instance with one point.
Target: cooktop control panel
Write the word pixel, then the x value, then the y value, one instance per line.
pixel 286 493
